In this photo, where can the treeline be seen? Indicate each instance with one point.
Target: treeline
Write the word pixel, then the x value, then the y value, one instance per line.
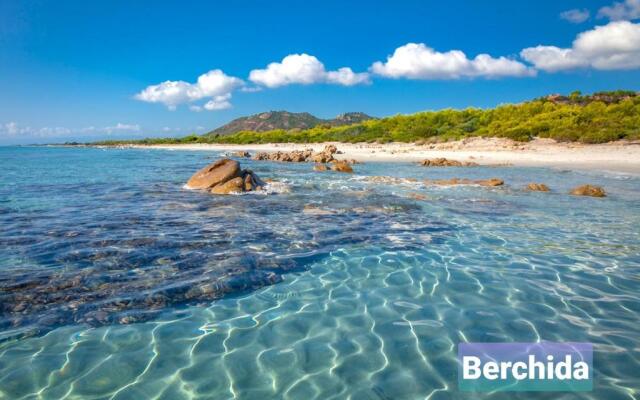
pixel 597 118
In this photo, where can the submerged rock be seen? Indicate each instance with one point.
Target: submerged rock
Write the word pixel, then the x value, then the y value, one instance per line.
pixel 444 162
pixel 588 190
pixel 390 180
pixel 458 181
pixel 537 187
pixel 418 196
pixel 311 209
pixel 225 177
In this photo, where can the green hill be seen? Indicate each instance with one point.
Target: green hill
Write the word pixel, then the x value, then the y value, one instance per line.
pixel 597 118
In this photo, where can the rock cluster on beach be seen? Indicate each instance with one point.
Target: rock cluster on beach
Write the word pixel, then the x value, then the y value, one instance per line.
pixel 225 177
pixel 320 158
pixel 444 162
pixel 324 156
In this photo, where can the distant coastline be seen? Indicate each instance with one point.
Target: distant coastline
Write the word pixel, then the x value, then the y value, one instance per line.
pixel 620 156
pixel 596 131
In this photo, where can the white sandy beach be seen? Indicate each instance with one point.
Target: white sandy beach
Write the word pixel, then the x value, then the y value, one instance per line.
pixel 623 156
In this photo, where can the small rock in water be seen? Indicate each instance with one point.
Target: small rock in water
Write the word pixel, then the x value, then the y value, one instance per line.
pixel 443 162
pixel 418 196
pixel 341 166
pixel 320 167
pixel 225 177
pixel 537 187
pixel 244 154
pixel 588 190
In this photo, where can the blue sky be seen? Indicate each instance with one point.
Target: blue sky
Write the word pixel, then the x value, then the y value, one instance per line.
pixel 92 70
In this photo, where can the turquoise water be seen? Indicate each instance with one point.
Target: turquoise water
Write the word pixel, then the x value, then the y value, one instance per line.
pixel 117 283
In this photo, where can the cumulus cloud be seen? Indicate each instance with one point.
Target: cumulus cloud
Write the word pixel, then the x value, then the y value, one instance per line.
pixel 213 84
pixel 575 16
pixel 346 77
pixel 304 69
pixel 218 102
pixel 615 46
pixel 627 10
pixel 417 61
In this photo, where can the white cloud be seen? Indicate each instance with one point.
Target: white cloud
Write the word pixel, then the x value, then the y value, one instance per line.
pixel 627 10
pixel 251 89
pixel 304 69
pixel 575 16
pixel 53 131
pixel 173 93
pixel 11 128
pixel 346 77
pixel 417 61
pixel 552 58
pixel 120 127
pixel 218 103
pixel 14 129
pixel 615 46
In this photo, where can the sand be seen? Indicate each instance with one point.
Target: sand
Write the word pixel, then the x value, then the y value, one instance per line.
pixel 622 156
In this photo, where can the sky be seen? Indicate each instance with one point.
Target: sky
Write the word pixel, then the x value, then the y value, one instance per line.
pixel 91 70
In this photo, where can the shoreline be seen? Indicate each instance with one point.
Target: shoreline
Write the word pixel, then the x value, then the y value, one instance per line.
pixel 621 156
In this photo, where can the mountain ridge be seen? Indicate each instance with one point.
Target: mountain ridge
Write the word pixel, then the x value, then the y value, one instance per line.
pixel 272 120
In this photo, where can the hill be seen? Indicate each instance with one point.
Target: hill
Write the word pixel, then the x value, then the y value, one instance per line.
pixel 272 120
pixel 597 118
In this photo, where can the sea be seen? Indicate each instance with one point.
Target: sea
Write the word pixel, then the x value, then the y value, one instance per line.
pixel 117 282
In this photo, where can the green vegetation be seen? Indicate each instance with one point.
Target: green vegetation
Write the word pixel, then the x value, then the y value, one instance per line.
pixel 597 118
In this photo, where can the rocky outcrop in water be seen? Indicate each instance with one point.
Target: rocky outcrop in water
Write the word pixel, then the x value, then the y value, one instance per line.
pixel 225 177
pixel 341 166
pixel 537 187
pixel 215 173
pixel 444 162
pixel 307 155
pixel 588 190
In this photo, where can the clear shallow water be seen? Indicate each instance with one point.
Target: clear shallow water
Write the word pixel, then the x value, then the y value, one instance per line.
pixel 364 296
